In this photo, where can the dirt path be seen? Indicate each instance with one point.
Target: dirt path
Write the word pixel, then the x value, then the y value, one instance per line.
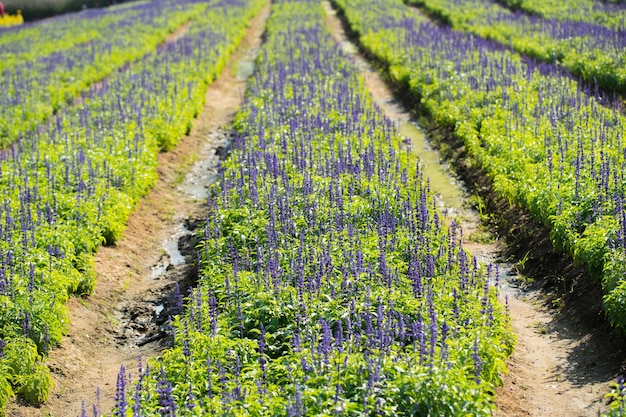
pixel 176 35
pixel 560 367
pixel 556 369
pixel 123 319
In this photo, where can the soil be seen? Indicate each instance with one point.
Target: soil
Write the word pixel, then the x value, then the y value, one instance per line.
pixel 176 35
pixel 125 317
pixel 566 355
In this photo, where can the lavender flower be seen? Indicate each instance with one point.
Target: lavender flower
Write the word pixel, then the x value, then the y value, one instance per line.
pixel 167 404
pixel 120 393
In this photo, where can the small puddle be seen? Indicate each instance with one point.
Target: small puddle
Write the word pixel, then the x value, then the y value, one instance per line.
pixel 204 172
pixel 171 245
pixel 247 63
pixel 199 178
pixel 245 68
pixel 172 255
pixel 158 270
pixel 348 48
pixel 158 309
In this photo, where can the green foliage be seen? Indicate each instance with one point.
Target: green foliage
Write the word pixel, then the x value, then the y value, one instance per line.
pixel 617 399
pixel 615 306
pixel 37 386
pixel 614 288
pixel 6 392
pixel 25 372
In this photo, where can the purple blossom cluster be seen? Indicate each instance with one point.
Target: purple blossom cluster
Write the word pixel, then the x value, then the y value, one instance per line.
pixel 579 35
pixel 611 14
pixel 590 45
pixel 39 77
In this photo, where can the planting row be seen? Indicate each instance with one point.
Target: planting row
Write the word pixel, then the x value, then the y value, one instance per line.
pixel 589 50
pixel 71 185
pixel 35 40
pixel 46 66
pixel 329 284
pixel 607 13
pixel 546 145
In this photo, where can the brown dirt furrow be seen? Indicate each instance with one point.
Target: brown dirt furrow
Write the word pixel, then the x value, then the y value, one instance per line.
pixel 556 369
pixel 123 319
pixel 176 34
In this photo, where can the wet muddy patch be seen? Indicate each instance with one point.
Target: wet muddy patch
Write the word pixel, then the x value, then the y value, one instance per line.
pixel 145 320
pixel 204 172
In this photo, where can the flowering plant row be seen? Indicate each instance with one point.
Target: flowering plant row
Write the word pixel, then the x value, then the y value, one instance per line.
pixel 610 13
pixel 329 284
pixel 41 75
pixel 547 144
pixel 589 50
pixel 70 185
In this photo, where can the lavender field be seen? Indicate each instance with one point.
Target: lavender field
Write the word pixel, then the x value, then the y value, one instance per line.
pixel 325 276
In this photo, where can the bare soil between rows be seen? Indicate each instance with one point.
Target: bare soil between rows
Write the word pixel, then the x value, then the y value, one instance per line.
pixel 125 317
